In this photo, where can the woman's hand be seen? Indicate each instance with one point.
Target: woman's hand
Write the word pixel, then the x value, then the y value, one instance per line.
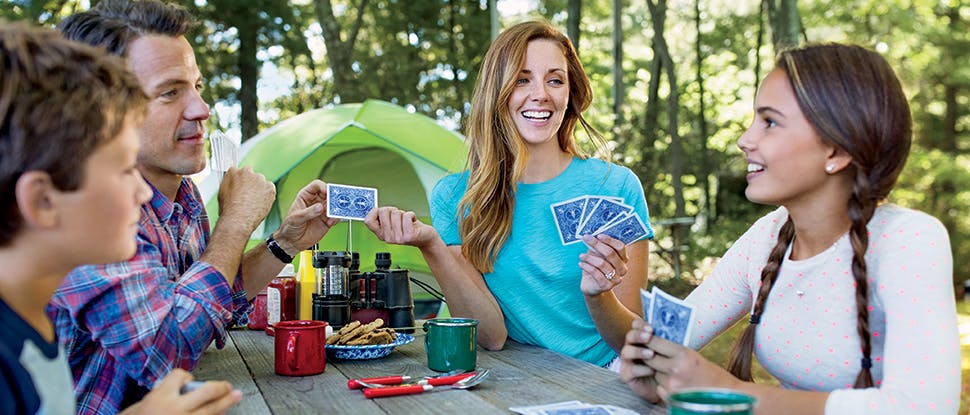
pixel 633 357
pixel 395 226
pixel 166 397
pixel 677 367
pixel 603 265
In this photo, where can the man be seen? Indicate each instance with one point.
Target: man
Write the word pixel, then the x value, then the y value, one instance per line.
pixel 126 324
pixel 68 142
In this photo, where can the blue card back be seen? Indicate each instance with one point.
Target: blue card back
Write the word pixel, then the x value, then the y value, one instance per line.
pixel 567 215
pixel 671 317
pixel 350 202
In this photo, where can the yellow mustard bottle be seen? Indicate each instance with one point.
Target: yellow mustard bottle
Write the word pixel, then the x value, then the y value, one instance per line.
pixel 306 286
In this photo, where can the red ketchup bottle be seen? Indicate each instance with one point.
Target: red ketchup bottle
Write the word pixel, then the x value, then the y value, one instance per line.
pixel 257 316
pixel 281 299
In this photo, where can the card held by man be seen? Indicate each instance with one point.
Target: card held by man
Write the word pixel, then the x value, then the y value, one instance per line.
pixel 350 202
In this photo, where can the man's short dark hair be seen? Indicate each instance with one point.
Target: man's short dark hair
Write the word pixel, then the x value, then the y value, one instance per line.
pixel 59 102
pixel 113 24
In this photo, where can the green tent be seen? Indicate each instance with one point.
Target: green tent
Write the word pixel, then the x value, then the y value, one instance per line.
pixel 373 144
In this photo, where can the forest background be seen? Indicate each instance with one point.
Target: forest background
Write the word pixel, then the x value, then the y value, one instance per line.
pixel 673 80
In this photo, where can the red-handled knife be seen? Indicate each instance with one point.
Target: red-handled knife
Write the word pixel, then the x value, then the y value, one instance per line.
pixel 386 380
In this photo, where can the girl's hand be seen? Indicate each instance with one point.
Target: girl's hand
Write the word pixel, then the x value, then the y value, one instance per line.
pixel 677 367
pixel 603 265
pixel 634 370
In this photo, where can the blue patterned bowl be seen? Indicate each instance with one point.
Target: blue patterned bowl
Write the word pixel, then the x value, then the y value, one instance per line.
pixel 370 351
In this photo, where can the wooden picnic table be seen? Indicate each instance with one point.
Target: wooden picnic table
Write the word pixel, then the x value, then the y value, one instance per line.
pixel 520 375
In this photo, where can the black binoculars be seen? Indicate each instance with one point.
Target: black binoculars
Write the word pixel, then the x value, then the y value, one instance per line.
pixel 384 293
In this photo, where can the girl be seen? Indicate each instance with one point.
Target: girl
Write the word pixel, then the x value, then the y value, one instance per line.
pixel 851 302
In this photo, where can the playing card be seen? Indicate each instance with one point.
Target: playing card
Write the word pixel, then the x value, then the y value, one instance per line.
pixel 224 150
pixel 571 408
pixel 350 202
pixel 646 297
pixel 601 214
pixel 534 409
pixel 567 215
pixel 670 317
pixel 626 229
pixel 579 410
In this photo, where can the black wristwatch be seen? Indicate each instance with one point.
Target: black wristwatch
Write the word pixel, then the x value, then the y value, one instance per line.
pixel 277 251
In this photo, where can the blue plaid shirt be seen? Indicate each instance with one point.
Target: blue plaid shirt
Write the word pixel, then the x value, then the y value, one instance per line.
pixel 127 324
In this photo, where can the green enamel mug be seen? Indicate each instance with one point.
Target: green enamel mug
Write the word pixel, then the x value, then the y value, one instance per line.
pixel 710 401
pixel 450 343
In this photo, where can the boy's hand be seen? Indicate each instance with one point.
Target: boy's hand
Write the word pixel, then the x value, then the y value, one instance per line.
pixel 166 397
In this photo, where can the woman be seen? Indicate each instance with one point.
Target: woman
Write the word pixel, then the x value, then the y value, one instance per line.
pixel 501 260
pixel 851 300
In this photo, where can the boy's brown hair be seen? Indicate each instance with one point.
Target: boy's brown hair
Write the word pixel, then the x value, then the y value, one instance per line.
pixel 59 101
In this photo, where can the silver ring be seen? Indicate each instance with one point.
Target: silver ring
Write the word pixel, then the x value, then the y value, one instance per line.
pixel 609 275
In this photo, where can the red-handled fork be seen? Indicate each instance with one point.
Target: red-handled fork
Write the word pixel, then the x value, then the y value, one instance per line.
pixel 465 383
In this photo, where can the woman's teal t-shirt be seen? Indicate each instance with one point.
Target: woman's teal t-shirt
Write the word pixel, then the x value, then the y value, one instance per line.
pixel 536 278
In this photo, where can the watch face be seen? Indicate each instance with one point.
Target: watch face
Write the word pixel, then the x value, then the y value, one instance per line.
pixel 278 252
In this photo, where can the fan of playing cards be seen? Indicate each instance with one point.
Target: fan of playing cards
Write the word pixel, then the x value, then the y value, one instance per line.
pixel 670 316
pixel 593 215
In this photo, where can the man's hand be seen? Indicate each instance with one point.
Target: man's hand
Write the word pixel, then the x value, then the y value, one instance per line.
pixel 395 226
pixel 307 221
pixel 245 198
pixel 165 398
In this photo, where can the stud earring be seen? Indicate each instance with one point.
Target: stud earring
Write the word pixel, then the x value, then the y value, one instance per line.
pixel 830 168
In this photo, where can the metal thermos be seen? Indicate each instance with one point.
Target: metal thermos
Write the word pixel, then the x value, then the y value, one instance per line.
pixel 331 302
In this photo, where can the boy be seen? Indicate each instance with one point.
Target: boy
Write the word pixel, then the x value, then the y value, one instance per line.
pixel 69 195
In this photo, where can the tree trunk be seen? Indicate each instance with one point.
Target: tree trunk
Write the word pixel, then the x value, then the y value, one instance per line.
pixel 617 65
pixel 574 10
pixel 455 63
pixel 762 14
pixel 247 25
pixel 658 13
pixel 951 91
pixel 493 13
pixel 651 124
pixel 340 51
pixel 652 112
pixel 786 25
pixel 705 168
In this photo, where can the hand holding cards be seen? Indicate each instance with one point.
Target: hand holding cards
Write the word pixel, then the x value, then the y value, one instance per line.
pixel 670 316
pixel 350 202
pixel 593 215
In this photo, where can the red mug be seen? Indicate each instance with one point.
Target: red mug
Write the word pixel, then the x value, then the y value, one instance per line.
pixel 300 347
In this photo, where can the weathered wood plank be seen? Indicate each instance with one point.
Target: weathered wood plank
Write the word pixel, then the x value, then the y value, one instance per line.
pixel 323 393
pixel 227 364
